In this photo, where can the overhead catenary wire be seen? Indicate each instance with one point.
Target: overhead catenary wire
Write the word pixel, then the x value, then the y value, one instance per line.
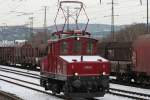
pixel 124 5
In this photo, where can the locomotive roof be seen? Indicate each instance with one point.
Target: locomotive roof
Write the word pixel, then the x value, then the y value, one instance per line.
pixel 71 58
pixel 58 39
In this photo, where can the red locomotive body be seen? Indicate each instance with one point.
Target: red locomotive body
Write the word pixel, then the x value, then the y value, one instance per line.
pixel 72 65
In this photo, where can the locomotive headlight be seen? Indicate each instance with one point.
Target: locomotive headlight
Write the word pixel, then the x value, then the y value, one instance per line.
pixel 78 38
pixel 76 74
pixel 104 73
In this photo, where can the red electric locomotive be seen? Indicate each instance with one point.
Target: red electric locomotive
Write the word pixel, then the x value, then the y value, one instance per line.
pixel 72 65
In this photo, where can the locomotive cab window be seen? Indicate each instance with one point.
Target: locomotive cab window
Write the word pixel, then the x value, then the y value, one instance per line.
pixel 49 49
pixel 90 47
pixel 77 47
pixel 64 48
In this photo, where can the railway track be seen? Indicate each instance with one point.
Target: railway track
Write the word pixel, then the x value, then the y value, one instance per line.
pixel 129 94
pixel 8 96
pixel 17 81
pixel 113 91
pixel 84 99
pixel 130 84
pixel 21 73
pixel 24 86
pixel 41 91
pixel 33 76
pixel 38 90
pixel 29 87
pixel 20 80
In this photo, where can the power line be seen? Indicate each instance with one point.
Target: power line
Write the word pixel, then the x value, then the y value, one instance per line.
pixel 45 23
pixel 31 26
pixel 147 17
pixel 113 20
pixel 147 11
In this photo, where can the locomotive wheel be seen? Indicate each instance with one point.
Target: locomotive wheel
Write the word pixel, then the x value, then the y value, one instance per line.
pixel 44 83
pixel 46 86
pixel 65 88
pixel 55 89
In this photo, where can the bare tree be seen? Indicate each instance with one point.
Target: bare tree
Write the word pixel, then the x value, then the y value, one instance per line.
pixel 129 33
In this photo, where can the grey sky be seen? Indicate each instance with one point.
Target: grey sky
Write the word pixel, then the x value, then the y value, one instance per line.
pixel 129 11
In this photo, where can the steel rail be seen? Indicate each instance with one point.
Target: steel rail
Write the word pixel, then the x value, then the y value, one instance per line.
pixel 20 80
pixel 38 90
pixel 8 96
pixel 19 73
pixel 129 92
pixel 136 93
pixel 136 85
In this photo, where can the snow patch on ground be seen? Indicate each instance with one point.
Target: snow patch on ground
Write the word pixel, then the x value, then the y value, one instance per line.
pixel 24 70
pixel 129 88
pixel 24 93
pixel 28 94
pixel 29 79
pixel 112 97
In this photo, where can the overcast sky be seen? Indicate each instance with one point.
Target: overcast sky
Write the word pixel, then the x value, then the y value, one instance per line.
pixel 129 11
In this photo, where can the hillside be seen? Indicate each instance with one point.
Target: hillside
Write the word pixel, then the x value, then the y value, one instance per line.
pixel 22 32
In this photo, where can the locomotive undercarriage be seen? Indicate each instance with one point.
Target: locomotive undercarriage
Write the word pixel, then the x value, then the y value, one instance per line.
pixel 78 86
pixel 89 86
